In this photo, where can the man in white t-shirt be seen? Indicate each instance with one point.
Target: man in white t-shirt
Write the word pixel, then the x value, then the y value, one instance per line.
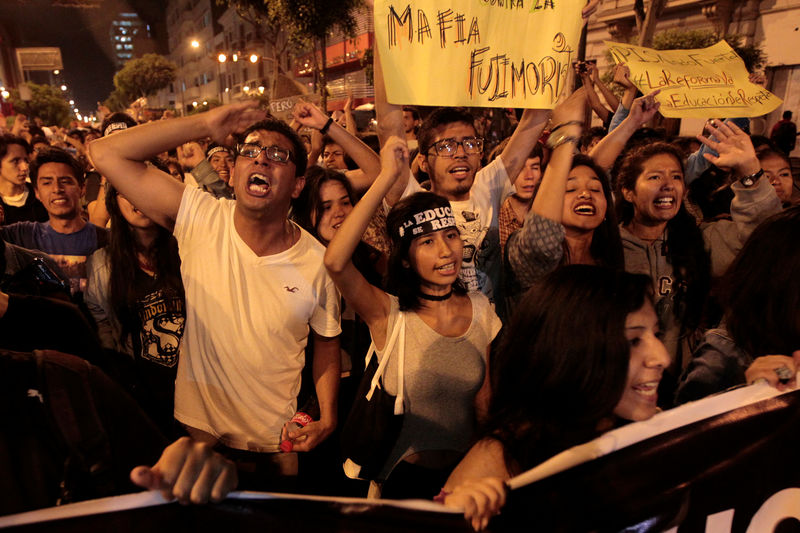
pixel 255 283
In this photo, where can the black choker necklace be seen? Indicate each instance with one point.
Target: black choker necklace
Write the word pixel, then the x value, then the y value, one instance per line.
pixel 434 298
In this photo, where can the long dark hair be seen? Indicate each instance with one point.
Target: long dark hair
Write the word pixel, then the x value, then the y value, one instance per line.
pixel 685 247
pixel 123 264
pixel 562 364
pixel 402 280
pixel 606 247
pixel 761 294
pixel 308 205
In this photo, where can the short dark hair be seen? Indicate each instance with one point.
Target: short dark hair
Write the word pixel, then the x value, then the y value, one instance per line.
pixel 413 110
pixel 596 131
pixel 771 152
pixel 57 155
pixel 402 280
pixel 562 363
pixel 760 292
pixel 441 117
pixel 117 117
pixel 787 114
pixel 7 139
pixel 299 154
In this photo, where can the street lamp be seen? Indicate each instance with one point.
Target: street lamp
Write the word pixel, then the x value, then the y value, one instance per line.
pixel 195 43
pixel 72 102
pixel 63 87
pixel 56 72
pixel 222 58
pixel 253 58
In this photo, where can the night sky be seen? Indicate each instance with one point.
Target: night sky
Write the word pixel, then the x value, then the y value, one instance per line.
pixel 82 35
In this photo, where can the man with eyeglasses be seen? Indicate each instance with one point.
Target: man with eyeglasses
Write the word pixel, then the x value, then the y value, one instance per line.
pixel 451 154
pixel 255 287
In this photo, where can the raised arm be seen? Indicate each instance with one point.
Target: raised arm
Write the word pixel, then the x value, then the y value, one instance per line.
pixel 622 75
pixel 390 123
pixel 549 199
pixel 120 157
pixel 349 119
pixel 369 302
pixel 591 95
pixel 606 151
pixel 611 98
pixel 367 160
pixel 522 141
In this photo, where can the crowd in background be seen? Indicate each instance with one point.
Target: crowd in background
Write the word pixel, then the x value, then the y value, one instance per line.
pixel 526 281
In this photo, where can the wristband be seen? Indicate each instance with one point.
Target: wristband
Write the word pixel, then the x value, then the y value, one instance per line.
pixel 324 129
pixel 567 123
pixel 554 141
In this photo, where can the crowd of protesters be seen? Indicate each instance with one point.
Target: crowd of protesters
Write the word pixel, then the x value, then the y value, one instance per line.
pixel 526 281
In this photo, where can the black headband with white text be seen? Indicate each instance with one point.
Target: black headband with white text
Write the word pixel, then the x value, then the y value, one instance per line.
pixel 427 221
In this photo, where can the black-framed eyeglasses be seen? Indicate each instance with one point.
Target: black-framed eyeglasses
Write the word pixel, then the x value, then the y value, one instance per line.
pixel 273 153
pixel 449 147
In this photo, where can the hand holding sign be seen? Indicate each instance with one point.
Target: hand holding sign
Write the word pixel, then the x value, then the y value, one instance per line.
pixel 697 83
pixel 777 370
pixel 476 53
pixel 481 499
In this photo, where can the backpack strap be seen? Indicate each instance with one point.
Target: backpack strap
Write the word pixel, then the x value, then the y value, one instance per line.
pixel 67 394
pixel 399 330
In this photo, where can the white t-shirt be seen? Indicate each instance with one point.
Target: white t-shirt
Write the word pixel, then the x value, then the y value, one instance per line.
pixel 477 220
pixel 247 324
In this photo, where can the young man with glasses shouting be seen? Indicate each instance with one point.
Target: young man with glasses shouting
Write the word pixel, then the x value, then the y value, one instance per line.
pixel 254 283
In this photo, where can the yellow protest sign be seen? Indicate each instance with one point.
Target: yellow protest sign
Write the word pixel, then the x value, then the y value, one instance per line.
pixel 482 53
pixel 701 83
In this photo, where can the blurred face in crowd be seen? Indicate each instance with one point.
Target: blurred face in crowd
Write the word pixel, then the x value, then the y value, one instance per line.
pixel 59 190
pixel 39 147
pixel 779 174
pixel 262 184
pixel 222 163
pixel 92 135
pixel 592 143
pixel 175 170
pixel 452 176
pixel 336 206
pixel 135 218
pixel 14 165
pixel 659 190
pixel 584 202
pixel 528 178
pixel 333 157
pixel 648 359
pixel 409 122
